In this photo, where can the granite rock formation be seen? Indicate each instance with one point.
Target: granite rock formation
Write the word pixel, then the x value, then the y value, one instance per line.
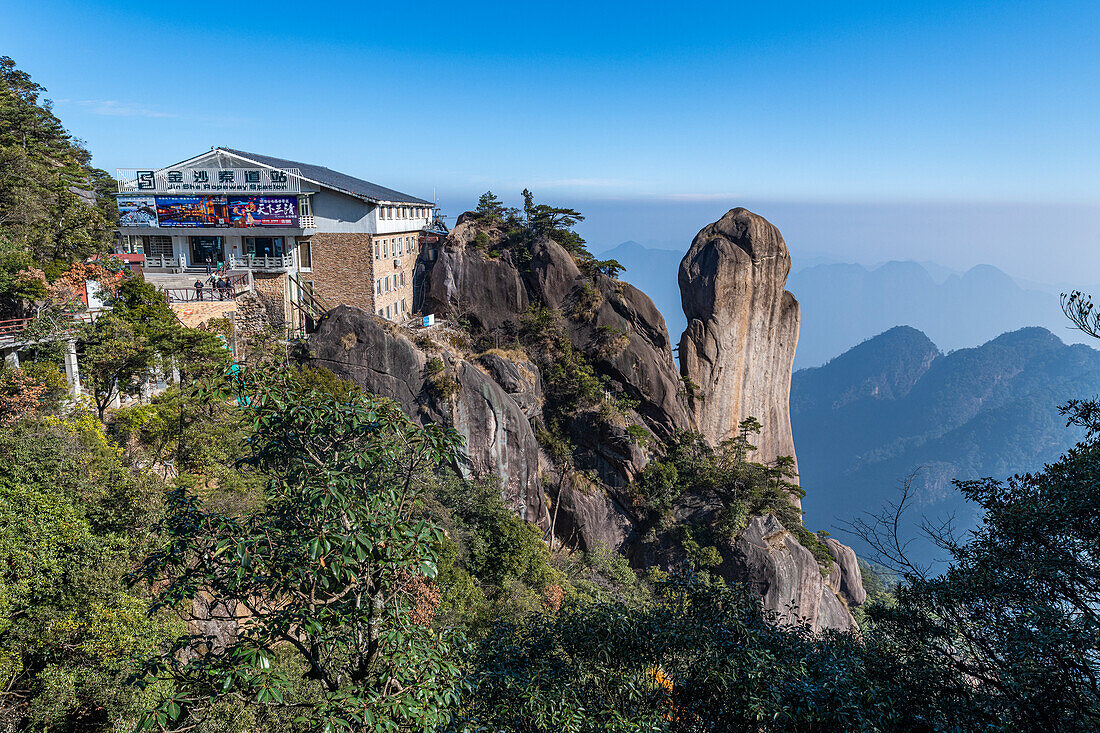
pixel 769 559
pixel 738 348
pixel 499 439
pixel 490 293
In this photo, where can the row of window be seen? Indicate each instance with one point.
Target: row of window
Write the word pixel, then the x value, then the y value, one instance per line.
pixel 396 245
pixel 397 309
pixel 389 282
pixel 403 212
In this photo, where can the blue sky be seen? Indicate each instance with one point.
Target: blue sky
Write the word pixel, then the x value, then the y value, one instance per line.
pixel 943 106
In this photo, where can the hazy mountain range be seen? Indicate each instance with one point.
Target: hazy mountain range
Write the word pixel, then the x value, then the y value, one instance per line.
pixel 896 403
pixel 844 303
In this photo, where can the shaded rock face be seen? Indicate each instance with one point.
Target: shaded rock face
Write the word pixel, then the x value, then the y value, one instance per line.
pixel 644 366
pixel 846 578
pixel 742 330
pixel 499 439
pixel 769 559
pixel 520 378
pixel 487 293
pixel 589 517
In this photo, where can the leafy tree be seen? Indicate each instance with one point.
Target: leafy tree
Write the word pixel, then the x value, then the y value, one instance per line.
pixel 611 268
pixel 495 564
pixel 740 445
pixel 700 658
pixel 1012 622
pixel 115 359
pixel 528 206
pixel 74 517
pixel 331 574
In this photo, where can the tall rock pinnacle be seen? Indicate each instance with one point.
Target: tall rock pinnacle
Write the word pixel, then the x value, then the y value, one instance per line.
pixel 742 330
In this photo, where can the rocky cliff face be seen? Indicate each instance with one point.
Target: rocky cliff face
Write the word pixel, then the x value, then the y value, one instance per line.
pixel 492 415
pixel 739 344
pixel 478 378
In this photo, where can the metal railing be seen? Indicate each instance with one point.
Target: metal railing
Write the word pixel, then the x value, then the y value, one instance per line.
pixel 207 295
pixel 13 328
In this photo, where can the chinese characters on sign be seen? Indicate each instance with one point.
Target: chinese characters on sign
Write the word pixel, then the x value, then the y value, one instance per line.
pixel 210 180
pixel 208 211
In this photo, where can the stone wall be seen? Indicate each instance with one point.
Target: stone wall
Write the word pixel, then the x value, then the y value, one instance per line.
pixel 252 315
pixel 272 291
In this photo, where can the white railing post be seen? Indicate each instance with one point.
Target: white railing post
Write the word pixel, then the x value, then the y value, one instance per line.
pixel 72 369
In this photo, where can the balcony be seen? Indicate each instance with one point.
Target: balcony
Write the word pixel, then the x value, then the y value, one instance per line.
pixel 166 261
pixel 278 263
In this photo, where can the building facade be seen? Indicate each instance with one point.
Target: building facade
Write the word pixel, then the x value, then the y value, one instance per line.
pixel 305 232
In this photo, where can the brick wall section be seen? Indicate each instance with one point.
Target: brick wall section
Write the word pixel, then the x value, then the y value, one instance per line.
pixel 401 247
pixel 343 271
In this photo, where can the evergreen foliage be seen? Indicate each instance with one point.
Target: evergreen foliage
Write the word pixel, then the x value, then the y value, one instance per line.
pixel 53 205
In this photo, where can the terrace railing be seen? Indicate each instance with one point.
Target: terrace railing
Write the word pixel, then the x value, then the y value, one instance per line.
pixel 166 261
pixel 253 262
pixel 14 330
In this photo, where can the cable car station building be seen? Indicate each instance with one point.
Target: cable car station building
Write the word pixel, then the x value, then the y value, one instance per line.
pixel 299 229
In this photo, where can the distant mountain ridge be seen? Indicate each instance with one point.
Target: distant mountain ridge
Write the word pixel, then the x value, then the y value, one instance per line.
pixel 896 403
pixel 844 304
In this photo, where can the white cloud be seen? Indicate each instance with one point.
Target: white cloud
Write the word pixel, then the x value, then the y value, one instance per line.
pixel 113 108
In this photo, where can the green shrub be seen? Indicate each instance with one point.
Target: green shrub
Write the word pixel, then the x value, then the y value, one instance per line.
pixel 610 565
pixel 584 301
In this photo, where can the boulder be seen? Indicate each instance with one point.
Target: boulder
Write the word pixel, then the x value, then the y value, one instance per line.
pixel 552 274
pixel 742 330
pixel 845 577
pixel 466 285
pixel 367 350
pixel 770 561
pixel 644 366
pixel 499 439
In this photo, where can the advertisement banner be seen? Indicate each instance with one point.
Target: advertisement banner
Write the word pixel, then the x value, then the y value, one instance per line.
pixel 191 211
pixel 227 211
pixel 137 211
pixel 263 211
